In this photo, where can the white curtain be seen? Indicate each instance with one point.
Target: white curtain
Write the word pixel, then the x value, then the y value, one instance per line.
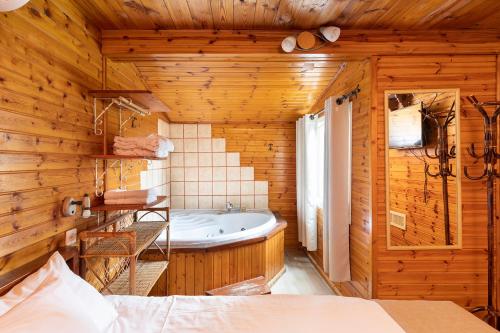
pixel 309 152
pixel 337 190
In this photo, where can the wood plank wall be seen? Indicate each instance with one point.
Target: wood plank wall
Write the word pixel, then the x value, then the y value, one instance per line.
pixel 457 275
pixel 277 166
pixel 49 58
pixel 360 233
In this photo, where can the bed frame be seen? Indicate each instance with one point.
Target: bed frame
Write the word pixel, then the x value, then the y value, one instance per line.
pixel 9 280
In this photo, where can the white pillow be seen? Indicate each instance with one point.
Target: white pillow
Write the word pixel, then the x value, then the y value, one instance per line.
pixel 102 312
pixel 52 308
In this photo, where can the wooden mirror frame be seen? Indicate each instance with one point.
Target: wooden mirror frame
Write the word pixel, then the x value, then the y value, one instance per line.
pixel 458 171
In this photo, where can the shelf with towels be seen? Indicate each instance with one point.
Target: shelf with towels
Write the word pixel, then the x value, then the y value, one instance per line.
pixel 109 253
pixel 150 206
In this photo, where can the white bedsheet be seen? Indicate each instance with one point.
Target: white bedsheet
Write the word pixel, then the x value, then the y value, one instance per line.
pixel 273 313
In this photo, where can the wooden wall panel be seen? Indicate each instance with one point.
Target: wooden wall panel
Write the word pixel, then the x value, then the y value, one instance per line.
pixel 360 231
pixel 277 165
pixel 49 58
pixel 457 275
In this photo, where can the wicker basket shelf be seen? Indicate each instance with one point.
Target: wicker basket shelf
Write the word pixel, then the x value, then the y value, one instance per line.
pixel 148 272
pixel 145 234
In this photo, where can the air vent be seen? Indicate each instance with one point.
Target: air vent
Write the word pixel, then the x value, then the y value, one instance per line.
pixel 397 220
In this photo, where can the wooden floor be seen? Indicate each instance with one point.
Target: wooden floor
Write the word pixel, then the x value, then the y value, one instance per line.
pixel 300 278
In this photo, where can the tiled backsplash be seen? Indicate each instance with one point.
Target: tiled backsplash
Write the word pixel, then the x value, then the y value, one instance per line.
pixel 204 175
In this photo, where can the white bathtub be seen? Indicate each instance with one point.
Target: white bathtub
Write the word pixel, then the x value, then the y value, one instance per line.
pixel 207 228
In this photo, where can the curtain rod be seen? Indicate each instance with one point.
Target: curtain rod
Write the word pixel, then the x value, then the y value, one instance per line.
pixel 340 100
pixel 353 92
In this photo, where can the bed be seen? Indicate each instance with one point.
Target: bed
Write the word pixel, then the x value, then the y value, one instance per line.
pixel 56 300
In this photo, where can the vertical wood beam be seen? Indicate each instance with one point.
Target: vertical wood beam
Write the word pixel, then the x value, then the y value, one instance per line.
pixel 373 158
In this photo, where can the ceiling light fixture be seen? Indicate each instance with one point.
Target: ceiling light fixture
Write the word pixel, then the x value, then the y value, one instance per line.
pixel 9 5
pixel 308 41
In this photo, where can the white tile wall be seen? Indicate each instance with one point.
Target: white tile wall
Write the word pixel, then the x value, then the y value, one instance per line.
pixel 219 159
pixel 219 173
pixel 203 175
pixel 191 174
pixel 204 130
pixel 246 173
pixel 205 159
pixel 205 145
pixel 191 188
pixel 191 159
pixel 176 131
pixel 233 159
pixel 191 202
pixel 205 201
pixel 191 145
pixel 190 131
pixel 233 173
pixel 218 145
pixel 205 188
pixel 177 159
pixel 219 188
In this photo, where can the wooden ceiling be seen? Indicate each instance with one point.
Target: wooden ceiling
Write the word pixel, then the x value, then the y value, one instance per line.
pixel 293 14
pixel 238 89
pixel 262 87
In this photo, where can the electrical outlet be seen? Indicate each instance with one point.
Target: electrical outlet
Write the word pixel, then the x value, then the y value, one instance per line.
pixel 71 237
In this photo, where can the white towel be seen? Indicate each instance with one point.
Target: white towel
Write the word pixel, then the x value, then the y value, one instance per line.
pixel 131 201
pixel 132 194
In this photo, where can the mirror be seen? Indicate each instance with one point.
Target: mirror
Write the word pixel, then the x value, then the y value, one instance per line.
pixel 423 169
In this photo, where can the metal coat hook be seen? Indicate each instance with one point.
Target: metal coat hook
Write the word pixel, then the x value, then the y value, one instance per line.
pixel 444 155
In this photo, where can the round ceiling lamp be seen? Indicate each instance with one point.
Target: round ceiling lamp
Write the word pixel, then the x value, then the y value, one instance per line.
pixel 9 5
pixel 308 41
pixel 288 44
pixel 331 34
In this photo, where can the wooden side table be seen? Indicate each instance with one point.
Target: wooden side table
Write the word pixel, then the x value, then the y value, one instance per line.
pixel 252 287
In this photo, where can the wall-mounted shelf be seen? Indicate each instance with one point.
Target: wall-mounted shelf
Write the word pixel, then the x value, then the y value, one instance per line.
pixel 109 208
pixel 125 274
pixel 144 98
pixel 125 157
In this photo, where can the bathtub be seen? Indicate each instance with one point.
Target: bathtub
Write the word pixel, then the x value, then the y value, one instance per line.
pixel 208 228
pixel 213 248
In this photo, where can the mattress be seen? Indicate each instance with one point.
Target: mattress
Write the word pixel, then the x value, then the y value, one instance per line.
pixel 290 314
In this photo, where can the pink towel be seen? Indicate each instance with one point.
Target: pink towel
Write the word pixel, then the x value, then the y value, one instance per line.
pixel 151 146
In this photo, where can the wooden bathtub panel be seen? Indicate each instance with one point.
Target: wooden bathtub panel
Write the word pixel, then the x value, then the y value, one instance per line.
pixel 192 273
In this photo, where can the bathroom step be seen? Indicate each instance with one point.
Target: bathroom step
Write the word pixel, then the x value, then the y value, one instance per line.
pixel 252 287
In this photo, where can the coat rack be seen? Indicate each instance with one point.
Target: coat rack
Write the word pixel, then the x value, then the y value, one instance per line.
pixel 443 154
pixel 489 174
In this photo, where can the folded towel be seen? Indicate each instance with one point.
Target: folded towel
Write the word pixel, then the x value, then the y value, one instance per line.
pixel 130 201
pixel 138 152
pixel 132 194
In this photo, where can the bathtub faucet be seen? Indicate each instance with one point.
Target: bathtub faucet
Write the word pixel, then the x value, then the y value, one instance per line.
pixel 229 206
